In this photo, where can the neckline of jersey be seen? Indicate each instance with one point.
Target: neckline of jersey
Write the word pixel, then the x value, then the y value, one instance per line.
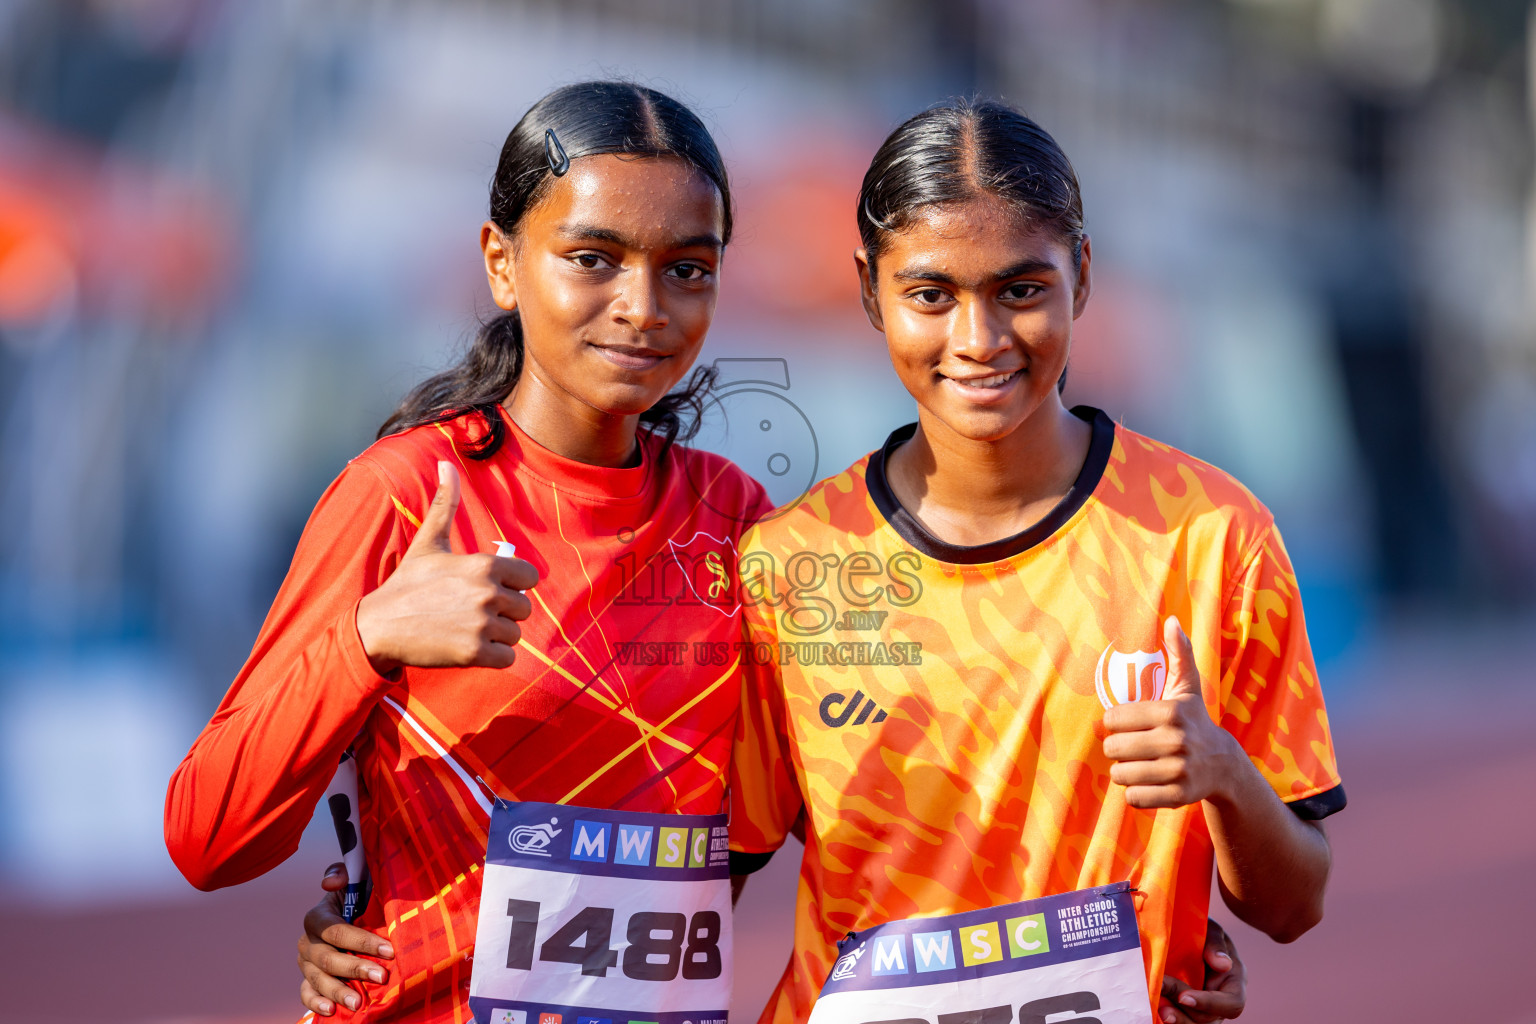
pixel 1100 446
pixel 604 483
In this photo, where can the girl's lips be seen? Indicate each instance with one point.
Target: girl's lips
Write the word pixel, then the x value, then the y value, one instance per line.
pixel 631 358
pixel 984 390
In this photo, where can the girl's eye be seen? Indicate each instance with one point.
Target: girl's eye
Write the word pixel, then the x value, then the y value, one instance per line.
pixel 929 296
pixel 588 260
pixel 1020 292
pixel 689 271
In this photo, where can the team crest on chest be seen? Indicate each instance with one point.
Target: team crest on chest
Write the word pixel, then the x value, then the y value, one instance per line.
pixel 1122 677
pixel 708 565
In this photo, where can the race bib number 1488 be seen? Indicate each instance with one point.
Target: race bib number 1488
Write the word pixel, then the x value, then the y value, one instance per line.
pixel 603 917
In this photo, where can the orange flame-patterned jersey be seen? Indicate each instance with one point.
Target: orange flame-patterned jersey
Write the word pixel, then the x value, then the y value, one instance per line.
pixel 623 695
pixel 936 711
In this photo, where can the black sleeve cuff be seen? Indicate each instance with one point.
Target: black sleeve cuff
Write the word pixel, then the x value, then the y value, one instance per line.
pixel 746 863
pixel 1312 808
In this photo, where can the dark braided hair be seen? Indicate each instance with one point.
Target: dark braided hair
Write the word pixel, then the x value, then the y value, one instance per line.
pixel 586 119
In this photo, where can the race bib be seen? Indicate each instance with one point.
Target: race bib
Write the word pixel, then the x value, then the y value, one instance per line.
pixel 1058 960
pixel 603 917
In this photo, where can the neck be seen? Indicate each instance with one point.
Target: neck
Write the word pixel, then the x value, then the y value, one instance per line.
pixel 969 492
pixel 569 427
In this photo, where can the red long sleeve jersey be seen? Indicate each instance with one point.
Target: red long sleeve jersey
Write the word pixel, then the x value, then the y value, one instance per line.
pixel 624 692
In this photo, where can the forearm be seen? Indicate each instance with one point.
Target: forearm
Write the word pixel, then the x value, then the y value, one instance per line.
pixel 1272 865
pixel 237 805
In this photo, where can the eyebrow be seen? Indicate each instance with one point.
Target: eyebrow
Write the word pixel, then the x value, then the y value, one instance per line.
pixel 920 272
pixel 707 240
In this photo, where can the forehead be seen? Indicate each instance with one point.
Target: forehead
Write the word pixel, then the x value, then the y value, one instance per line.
pixel 972 239
pixel 649 199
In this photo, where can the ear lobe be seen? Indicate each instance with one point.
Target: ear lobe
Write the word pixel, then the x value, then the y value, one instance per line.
pixel 867 293
pixel 500 261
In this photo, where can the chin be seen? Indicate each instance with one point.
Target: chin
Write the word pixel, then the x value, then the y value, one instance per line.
pixel 979 424
pixel 624 398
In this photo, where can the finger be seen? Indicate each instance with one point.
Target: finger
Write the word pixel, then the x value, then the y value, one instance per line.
pixel 314 1001
pixel 516 574
pixel 335 879
pixel 323 917
pixel 1152 797
pixel 1171 1013
pixel 1218 960
pixel 327 987
pixel 353 939
pixel 509 604
pixel 433 536
pixel 333 962
pixel 1212 1003
pixel 494 655
pixel 1161 772
pixel 1183 676
pixel 1146 745
pixel 502 631
pixel 1138 716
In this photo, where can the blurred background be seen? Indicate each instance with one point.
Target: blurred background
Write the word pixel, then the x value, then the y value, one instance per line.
pixel 232 235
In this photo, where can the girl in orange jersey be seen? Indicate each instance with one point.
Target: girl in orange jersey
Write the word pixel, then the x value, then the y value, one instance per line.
pixel 1020 651
pixel 460 677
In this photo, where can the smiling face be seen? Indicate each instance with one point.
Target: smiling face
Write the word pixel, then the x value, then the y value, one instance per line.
pixel 977 309
pixel 614 274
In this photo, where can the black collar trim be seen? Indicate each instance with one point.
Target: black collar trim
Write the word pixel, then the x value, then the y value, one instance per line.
pixel 914 533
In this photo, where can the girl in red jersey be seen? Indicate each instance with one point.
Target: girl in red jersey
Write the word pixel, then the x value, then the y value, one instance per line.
pixel 459 677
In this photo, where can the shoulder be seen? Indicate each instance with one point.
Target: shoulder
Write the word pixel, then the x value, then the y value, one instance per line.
pixel 409 459
pixel 402 468
pixel 1166 490
pixel 719 482
pixel 839 504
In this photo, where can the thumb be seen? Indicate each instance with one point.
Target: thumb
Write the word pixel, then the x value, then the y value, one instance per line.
pixel 335 878
pixel 433 535
pixel 1183 677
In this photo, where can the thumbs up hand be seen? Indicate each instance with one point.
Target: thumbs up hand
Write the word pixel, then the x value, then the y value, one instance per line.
pixel 440 609
pixel 1168 752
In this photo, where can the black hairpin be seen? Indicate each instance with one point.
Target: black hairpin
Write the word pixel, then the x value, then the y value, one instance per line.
pixel 559 163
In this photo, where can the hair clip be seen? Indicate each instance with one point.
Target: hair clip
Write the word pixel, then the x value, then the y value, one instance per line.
pixel 876 221
pixel 559 163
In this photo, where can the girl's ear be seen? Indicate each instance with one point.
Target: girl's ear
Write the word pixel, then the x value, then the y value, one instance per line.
pixel 867 289
pixel 499 262
pixel 1084 286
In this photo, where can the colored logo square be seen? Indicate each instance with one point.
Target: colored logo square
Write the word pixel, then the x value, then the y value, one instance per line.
pixel 981 944
pixel 932 951
pixel 549 1018
pixel 890 955
pixel 589 840
pixel 698 848
pixel 672 848
pixel 634 845
pixel 1027 935
pixel 509 1017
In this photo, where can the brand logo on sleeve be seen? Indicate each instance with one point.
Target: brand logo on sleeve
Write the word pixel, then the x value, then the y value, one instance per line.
pixel 1121 678
pixel 509 1017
